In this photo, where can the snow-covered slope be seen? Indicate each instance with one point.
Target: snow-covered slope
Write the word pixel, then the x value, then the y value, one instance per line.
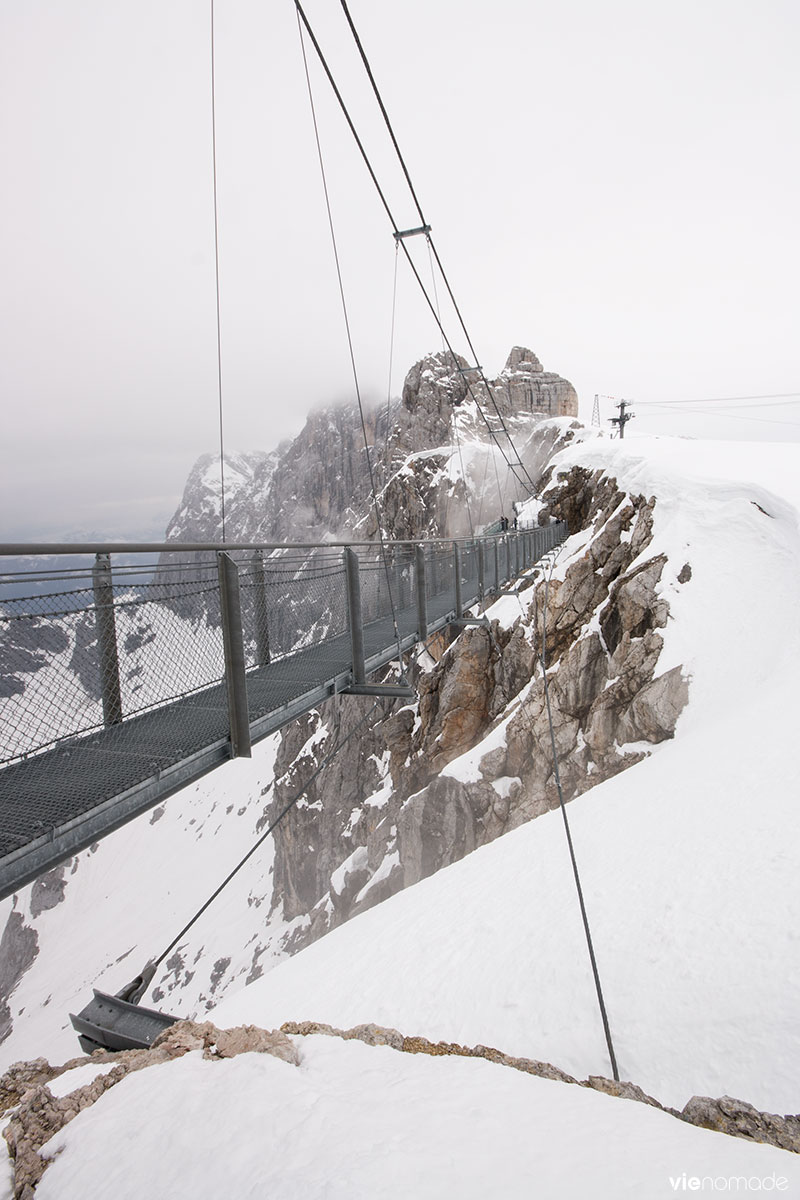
pixel 357 1121
pixel 689 860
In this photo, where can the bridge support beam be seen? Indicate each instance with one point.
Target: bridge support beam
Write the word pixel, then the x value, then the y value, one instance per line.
pixel 457 570
pixel 260 609
pixel 422 595
pixel 353 583
pixel 107 655
pixel 235 680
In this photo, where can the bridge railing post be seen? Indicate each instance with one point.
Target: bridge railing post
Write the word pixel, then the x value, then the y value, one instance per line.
pixel 481 569
pixel 457 571
pixel 355 618
pixel 496 565
pixel 107 654
pixel 260 610
pixel 233 645
pixel 422 595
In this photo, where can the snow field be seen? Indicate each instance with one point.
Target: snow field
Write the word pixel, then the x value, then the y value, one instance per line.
pixel 356 1120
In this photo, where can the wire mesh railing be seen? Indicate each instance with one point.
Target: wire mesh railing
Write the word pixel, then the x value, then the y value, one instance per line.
pixel 107 645
pixel 123 678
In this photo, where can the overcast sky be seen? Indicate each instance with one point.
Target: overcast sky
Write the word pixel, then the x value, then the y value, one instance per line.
pixel 614 185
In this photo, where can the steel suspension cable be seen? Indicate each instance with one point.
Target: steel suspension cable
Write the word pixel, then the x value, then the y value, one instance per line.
pixel 385 203
pixel 136 989
pixel 431 244
pixel 391 359
pixel 433 281
pixel 573 859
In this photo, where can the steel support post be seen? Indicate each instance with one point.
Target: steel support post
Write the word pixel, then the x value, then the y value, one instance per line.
pixel 107 655
pixel 353 582
pixel 260 609
pixel 496 565
pixel 481 570
pixel 457 570
pixel 233 642
pixel 422 596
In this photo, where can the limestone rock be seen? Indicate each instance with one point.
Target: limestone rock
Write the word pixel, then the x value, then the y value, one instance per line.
pixel 249 1039
pixel 22 1077
pixel 19 947
pixel 622 1088
pixel 603 642
pixel 437 826
pixel 740 1119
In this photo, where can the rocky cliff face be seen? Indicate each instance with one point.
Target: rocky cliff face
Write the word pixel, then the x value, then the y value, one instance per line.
pixel 247 480
pixel 429 454
pixel 472 757
pixel 525 387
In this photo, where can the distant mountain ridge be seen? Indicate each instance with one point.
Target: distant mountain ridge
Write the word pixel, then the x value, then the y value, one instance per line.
pixel 315 487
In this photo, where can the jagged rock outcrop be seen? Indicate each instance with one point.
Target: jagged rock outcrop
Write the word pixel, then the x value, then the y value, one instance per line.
pixel 525 386
pixel 38 1114
pixel 247 479
pixel 607 700
pixel 739 1119
pixel 313 837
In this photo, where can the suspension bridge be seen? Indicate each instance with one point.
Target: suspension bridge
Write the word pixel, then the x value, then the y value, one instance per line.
pixel 120 685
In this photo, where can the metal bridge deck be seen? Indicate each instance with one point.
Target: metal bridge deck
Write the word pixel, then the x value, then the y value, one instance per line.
pixel 60 801
pixel 73 788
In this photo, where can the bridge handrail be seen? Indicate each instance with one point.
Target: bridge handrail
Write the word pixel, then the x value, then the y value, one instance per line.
pixel 119 639
pixel 121 683
pixel 30 549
